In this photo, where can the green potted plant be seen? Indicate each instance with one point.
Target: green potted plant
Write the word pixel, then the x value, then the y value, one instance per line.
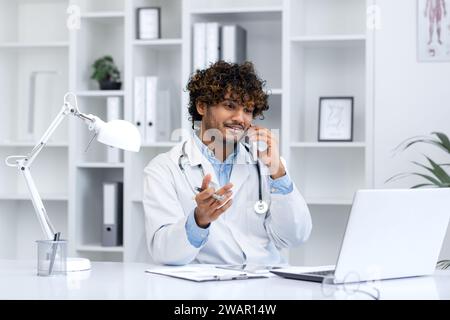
pixel 435 174
pixel 106 73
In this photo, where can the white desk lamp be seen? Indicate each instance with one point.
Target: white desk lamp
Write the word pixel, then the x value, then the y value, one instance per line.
pixel 116 133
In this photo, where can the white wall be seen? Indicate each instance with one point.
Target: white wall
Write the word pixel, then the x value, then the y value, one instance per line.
pixel 411 98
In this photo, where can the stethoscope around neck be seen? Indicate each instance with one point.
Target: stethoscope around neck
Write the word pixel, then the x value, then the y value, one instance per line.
pixel 261 206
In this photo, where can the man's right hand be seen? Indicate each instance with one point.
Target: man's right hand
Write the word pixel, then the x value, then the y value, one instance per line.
pixel 209 209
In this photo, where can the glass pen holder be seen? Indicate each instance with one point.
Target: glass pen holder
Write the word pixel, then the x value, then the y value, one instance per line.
pixel 52 257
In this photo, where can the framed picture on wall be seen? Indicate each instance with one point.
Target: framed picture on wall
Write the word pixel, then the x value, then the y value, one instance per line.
pixel 335 119
pixel 433 31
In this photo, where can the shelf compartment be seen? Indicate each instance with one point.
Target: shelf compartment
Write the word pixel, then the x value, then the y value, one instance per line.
pixel 322 174
pixel 163 62
pixel 170 20
pixel 325 72
pixel 89 202
pixel 20 227
pixel 327 17
pixel 51 162
pixel 89 48
pixel 136 238
pixel 137 164
pixel 16 68
pixel 322 248
pixel 264 40
pixel 24 21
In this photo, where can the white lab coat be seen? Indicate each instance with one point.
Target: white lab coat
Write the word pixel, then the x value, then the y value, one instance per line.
pixel 239 235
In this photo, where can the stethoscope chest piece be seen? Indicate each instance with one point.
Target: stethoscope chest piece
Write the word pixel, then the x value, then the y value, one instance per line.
pixel 261 207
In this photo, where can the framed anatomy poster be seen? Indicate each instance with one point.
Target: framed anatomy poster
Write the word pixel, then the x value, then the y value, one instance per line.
pixel 433 30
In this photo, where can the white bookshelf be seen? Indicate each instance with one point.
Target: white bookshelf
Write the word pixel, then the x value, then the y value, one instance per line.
pixel 303 48
pixel 32 38
pixel 326 54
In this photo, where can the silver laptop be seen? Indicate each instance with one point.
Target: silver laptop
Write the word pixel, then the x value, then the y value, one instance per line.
pixel 390 234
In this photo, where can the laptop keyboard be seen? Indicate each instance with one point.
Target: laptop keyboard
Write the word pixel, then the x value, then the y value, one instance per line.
pixel 322 273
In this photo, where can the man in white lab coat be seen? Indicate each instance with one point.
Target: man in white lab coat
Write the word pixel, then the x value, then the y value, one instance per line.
pixel 207 200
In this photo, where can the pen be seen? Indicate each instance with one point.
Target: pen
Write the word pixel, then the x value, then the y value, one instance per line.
pixel 215 196
pixel 231 277
pixel 54 248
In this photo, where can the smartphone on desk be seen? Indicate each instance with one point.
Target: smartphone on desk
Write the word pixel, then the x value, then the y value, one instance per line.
pixel 251 268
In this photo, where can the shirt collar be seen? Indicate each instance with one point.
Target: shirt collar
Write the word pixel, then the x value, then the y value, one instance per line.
pixel 210 155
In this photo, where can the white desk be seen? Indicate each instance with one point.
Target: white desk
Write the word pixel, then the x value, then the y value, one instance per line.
pixel 111 280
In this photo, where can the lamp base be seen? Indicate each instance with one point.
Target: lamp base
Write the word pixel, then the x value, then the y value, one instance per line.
pixel 78 264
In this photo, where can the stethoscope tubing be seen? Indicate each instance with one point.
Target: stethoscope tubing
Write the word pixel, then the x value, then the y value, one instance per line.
pixel 260 207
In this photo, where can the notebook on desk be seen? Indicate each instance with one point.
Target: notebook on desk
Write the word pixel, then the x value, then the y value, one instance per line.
pixel 201 273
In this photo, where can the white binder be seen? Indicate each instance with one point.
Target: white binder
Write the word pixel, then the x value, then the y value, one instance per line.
pixel 139 105
pixel 151 94
pixel 199 46
pixel 234 44
pixel 112 214
pixel 113 112
pixel 212 43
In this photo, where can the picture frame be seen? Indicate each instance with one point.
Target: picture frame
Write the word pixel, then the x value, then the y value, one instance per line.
pixel 335 119
pixel 433 34
pixel 148 23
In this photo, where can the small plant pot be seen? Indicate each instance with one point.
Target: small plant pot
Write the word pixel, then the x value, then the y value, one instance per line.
pixel 109 85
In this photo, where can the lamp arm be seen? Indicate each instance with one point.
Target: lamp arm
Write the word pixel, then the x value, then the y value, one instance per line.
pixel 65 110
pixel 41 213
pixel 23 164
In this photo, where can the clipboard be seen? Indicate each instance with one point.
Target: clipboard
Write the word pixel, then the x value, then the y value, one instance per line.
pixel 202 273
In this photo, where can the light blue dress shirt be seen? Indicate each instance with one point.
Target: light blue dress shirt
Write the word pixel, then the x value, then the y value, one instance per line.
pixel 197 236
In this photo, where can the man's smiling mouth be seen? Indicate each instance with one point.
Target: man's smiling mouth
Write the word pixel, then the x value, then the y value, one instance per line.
pixel 235 127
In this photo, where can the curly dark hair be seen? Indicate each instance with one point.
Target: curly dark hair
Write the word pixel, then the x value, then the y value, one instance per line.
pixel 239 80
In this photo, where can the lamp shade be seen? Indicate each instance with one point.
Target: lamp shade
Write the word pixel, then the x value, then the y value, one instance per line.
pixel 119 134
